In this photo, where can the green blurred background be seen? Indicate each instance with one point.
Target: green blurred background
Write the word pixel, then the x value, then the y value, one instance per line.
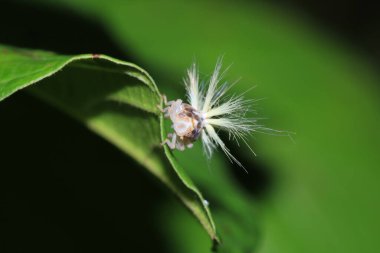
pixel 316 65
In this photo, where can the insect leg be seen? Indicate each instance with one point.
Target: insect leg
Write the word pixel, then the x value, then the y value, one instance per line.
pixel 166 102
pixel 172 143
pixel 180 146
pixel 160 108
pixel 165 99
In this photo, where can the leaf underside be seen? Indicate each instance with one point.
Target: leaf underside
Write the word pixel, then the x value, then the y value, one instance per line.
pixel 115 99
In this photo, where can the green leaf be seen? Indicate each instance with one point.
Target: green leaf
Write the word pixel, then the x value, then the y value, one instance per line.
pixel 324 197
pixel 116 99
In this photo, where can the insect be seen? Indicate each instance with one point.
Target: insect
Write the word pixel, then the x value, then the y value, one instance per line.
pixel 187 124
pixel 208 110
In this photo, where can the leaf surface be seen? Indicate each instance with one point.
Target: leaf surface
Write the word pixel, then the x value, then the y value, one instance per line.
pixel 116 99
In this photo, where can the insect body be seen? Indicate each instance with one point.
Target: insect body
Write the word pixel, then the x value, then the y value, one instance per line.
pixel 187 124
pixel 208 109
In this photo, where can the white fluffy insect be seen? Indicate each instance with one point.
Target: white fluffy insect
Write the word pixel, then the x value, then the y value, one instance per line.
pixel 208 110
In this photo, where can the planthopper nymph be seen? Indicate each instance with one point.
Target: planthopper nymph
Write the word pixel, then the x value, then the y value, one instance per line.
pixel 208 110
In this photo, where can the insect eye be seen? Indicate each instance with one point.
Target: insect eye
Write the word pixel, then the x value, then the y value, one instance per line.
pixel 195 134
